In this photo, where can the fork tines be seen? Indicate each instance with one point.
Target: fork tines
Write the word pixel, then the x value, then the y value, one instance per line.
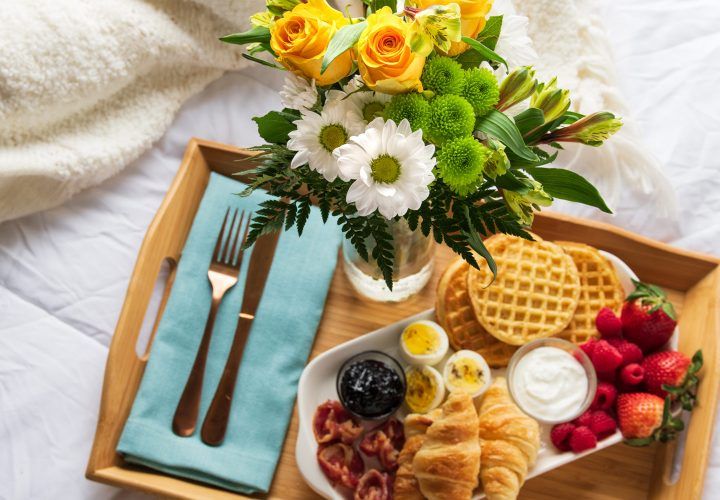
pixel 226 250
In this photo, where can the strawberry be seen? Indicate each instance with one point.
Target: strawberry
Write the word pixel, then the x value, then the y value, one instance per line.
pixel 608 324
pixel 648 318
pixel 644 418
pixel 674 373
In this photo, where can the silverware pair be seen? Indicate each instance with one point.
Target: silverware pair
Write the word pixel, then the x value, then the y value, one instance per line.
pixel 223 275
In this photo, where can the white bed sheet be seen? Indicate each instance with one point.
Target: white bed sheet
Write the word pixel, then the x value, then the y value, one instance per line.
pixel 64 272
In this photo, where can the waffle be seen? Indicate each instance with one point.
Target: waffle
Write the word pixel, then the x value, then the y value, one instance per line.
pixel 599 287
pixel 455 313
pixel 534 295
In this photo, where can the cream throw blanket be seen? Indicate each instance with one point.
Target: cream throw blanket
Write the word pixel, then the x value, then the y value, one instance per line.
pixel 87 86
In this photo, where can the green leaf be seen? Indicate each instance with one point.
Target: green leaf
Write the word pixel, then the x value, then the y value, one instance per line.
pixel 491 32
pixel 512 183
pixel 341 41
pixel 503 128
pixel 529 119
pixel 379 4
pixel 484 51
pixel 571 117
pixel 274 127
pixel 258 34
pixel 477 244
pixel 567 185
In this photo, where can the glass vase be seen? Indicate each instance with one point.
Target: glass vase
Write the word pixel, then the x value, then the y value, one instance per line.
pixel 413 265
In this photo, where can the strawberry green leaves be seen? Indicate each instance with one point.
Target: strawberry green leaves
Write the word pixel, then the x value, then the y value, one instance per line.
pixel 654 296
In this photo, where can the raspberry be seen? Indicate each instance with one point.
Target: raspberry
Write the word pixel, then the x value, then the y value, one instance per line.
pixel 560 436
pixel 583 420
pixel 605 357
pixel 630 352
pixel 632 374
pixel 602 425
pixel 604 397
pixel 588 347
pixel 608 324
pixel 581 439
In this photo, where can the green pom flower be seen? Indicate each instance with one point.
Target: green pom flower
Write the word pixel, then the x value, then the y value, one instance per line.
pixel 481 90
pixel 411 107
pixel 443 75
pixel 461 163
pixel 451 116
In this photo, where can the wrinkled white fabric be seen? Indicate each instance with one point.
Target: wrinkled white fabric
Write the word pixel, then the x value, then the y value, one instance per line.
pixel 86 87
pixel 64 272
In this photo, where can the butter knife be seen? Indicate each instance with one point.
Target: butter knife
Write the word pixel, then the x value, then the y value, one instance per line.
pixel 216 420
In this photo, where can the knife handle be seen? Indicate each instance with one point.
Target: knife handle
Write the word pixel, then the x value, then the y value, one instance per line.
pixel 216 419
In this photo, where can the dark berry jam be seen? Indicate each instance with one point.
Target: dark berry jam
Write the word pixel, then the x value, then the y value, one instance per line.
pixel 370 388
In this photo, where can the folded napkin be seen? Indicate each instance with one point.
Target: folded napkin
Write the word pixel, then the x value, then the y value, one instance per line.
pixel 277 349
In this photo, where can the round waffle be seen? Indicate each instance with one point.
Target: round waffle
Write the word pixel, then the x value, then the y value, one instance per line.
pixel 534 295
pixel 455 313
pixel 599 287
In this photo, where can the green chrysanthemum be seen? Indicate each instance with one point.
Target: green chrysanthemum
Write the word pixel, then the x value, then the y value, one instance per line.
pixel 411 107
pixel 451 116
pixel 461 163
pixel 443 75
pixel 481 90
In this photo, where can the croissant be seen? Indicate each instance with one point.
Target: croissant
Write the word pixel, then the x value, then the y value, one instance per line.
pixel 447 464
pixel 406 486
pixel 510 441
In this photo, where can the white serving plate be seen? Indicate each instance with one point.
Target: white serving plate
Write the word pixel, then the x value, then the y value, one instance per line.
pixel 317 384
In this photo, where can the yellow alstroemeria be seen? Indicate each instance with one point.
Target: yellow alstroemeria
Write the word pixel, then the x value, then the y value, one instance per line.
pixel 438 25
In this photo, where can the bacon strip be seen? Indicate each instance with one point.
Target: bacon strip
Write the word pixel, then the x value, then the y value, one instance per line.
pixel 385 442
pixel 341 464
pixel 374 485
pixel 332 422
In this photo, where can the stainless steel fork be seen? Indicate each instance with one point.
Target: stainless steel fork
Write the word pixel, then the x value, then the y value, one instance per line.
pixel 223 275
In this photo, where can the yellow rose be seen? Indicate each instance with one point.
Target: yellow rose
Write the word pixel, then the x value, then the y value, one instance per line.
pixel 473 14
pixel 301 37
pixel 386 62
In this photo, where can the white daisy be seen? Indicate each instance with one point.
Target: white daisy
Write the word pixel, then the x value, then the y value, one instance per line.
pixel 297 93
pixel 317 135
pixel 391 166
pixel 514 44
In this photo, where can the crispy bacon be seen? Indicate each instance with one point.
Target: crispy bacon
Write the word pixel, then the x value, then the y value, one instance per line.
pixel 385 442
pixel 332 422
pixel 374 485
pixel 341 464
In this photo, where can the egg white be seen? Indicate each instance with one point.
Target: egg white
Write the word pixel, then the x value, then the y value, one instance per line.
pixel 429 359
pixel 477 358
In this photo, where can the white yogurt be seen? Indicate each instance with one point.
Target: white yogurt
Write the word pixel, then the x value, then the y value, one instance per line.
pixel 550 384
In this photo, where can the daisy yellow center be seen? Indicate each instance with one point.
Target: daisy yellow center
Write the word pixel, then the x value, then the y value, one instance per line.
pixel 385 169
pixel 372 110
pixel 333 136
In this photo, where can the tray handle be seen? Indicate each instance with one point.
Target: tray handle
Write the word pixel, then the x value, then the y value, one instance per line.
pixel 163 241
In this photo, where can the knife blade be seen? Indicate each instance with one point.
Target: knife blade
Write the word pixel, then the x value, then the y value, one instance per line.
pixel 216 420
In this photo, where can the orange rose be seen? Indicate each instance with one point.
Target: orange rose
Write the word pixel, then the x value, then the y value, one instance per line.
pixel 386 62
pixel 473 14
pixel 301 37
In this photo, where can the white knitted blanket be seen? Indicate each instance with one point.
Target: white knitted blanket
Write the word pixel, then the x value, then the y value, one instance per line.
pixel 86 87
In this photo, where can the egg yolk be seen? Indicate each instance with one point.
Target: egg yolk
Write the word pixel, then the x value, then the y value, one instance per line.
pixel 421 390
pixel 465 374
pixel 420 339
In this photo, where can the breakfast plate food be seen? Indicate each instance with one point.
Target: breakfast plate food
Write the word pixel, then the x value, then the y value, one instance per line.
pixel 532 404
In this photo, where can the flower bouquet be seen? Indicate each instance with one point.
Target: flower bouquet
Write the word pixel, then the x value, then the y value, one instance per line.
pixel 410 116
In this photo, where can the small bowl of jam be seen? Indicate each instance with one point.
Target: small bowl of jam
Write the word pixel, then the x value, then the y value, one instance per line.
pixel 371 385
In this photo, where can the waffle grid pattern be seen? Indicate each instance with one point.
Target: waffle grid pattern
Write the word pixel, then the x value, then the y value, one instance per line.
pixel 455 314
pixel 599 287
pixel 534 295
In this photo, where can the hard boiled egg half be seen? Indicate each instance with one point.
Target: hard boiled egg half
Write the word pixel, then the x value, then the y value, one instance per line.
pixel 423 343
pixel 425 388
pixel 467 371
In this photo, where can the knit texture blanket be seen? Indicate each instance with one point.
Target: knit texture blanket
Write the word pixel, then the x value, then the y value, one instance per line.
pixel 86 87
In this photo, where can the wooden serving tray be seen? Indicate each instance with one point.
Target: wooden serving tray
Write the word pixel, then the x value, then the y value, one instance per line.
pixel 692 281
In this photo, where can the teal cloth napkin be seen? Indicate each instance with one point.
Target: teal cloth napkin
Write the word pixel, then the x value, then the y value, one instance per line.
pixel 277 349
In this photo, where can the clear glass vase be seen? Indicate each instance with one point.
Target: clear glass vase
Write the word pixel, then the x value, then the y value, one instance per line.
pixel 413 265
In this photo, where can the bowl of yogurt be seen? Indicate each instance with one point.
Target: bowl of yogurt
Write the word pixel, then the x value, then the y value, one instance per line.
pixel 552 380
